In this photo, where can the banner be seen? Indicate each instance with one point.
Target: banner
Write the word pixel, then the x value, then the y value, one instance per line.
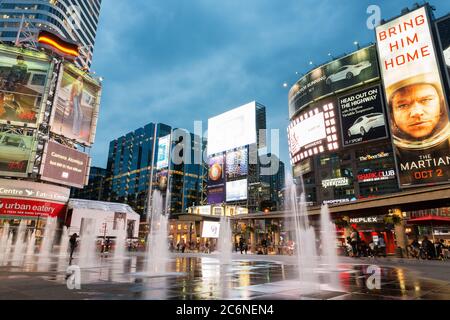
pixel 163 152
pixel 215 171
pixel 16 152
pixel 362 116
pixel 350 71
pixel 237 164
pixel 418 110
pixel 65 165
pixel 75 113
pixel 23 79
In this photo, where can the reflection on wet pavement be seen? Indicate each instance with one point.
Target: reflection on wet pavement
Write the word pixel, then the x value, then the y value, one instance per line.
pixel 203 277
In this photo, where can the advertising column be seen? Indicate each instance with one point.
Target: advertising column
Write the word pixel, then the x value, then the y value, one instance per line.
pixel 418 110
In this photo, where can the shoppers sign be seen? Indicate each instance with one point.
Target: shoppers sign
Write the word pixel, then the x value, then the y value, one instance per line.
pixel 65 165
pixel 362 116
pixel 350 71
pixel 418 110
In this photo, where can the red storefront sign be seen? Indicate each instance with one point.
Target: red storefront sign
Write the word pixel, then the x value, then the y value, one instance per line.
pixel 31 208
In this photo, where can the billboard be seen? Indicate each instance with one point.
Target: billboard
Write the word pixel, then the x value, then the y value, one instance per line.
pixel 237 190
pixel 314 131
pixel 163 152
pixel 215 171
pixel 210 229
pixel 162 179
pixel 443 27
pixel 75 112
pixel 362 116
pixel 216 194
pixel 350 71
pixel 237 164
pixel 23 80
pixel 64 165
pixel 232 129
pixel 16 154
pixel 418 110
pixel 31 199
pixel 369 175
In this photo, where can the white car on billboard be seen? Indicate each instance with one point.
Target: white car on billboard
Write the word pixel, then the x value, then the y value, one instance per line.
pixel 14 148
pixel 348 72
pixel 365 123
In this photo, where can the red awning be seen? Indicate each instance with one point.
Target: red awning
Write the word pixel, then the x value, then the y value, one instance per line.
pixel 435 220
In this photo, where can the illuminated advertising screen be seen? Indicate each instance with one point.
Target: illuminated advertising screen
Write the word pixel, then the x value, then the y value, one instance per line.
pixel 369 175
pixel 75 112
pixel 362 116
pixel 350 71
pixel 210 229
pixel 163 152
pixel 23 79
pixel 232 129
pixel 215 171
pixel 418 110
pixel 31 199
pixel 16 153
pixel 314 131
pixel 65 165
pixel 443 27
pixel 216 194
pixel 237 190
pixel 237 164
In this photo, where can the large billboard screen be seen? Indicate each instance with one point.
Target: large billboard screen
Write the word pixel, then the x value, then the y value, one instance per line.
pixel 418 110
pixel 443 27
pixel 75 112
pixel 237 190
pixel 314 131
pixel 350 71
pixel 237 164
pixel 23 79
pixel 215 171
pixel 163 152
pixel 64 165
pixel 31 199
pixel 16 152
pixel 362 116
pixel 232 129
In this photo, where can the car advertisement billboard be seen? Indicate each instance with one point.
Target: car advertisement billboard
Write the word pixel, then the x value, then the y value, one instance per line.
pixel 237 190
pixel 341 74
pixel 31 199
pixel 16 152
pixel 237 164
pixel 163 152
pixel 75 112
pixel 418 110
pixel 362 116
pixel 64 165
pixel 443 27
pixel 314 131
pixel 232 129
pixel 23 81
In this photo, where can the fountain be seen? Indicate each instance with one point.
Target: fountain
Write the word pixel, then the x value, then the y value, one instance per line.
pixel 7 250
pixel 157 247
pixel 121 239
pixel 64 242
pixel 20 244
pixel 329 255
pixel 31 243
pixel 305 238
pixel 88 243
pixel 225 241
pixel 4 241
pixel 48 238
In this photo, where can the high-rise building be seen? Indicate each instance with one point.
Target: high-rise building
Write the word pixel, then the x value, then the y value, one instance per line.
pixel 139 162
pixel 95 190
pixel 75 20
pixel 276 181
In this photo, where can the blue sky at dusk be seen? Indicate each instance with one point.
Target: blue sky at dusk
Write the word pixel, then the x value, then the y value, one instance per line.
pixel 178 61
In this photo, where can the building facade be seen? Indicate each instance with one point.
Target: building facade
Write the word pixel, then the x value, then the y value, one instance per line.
pixel 96 187
pixel 76 20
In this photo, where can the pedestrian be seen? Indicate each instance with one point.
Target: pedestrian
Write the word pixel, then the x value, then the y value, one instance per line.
pixel 428 248
pixel 381 245
pixel 236 246
pixel 241 244
pixel 245 247
pixel 207 247
pixel 354 242
pixel 73 244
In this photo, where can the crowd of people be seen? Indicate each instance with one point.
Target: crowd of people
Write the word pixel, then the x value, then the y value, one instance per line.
pixel 428 250
pixel 191 246
pixel 356 247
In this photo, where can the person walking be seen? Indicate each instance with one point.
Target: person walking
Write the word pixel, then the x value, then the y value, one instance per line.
pixel 428 248
pixel 73 244
pixel 381 245
pixel 354 242
pixel 241 245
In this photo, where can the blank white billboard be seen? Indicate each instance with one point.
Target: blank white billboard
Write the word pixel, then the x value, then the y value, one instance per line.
pixel 232 129
pixel 237 190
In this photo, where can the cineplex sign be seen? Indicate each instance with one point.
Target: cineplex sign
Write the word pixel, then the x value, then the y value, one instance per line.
pixel 30 199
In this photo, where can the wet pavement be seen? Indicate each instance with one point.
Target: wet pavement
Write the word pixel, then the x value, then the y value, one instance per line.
pixel 204 277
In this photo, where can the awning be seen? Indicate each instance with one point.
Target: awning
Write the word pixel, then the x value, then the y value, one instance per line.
pixel 430 220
